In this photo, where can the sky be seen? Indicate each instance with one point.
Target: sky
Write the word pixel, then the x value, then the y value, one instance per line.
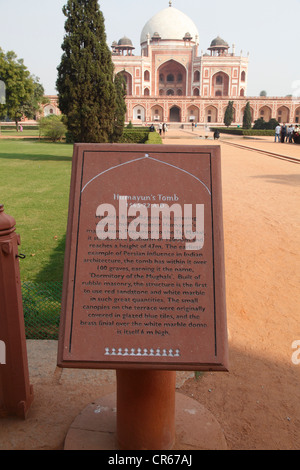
pixel 268 30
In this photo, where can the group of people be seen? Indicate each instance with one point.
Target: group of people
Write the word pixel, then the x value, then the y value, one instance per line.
pixel 162 128
pixel 286 133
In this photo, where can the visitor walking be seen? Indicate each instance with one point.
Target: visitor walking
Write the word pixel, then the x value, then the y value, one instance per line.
pixel 283 133
pixel 160 128
pixel 164 128
pixel 289 135
pixel 277 133
pixel 296 134
pixel 216 134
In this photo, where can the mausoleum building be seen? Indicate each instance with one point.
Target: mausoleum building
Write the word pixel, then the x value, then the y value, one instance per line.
pixel 175 80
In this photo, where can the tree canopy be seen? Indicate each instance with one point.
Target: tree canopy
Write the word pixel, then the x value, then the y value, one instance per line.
pixel 21 93
pixel 228 116
pixel 85 83
pixel 120 85
pixel 247 118
pixel 52 127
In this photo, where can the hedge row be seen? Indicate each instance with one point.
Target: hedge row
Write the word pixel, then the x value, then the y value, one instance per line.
pixel 259 132
pixel 154 138
pixel 235 131
pixel 6 127
pixel 140 136
pixel 135 136
pixel 137 129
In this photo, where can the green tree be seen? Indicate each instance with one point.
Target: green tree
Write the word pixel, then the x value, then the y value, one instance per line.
pixel 247 118
pixel 260 124
pixel 32 106
pixel 85 82
pixel 22 91
pixel 272 123
pixel 120 85
pixel 228 116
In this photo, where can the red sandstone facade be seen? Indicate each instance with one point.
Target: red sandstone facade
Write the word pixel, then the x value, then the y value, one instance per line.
pixel 171 81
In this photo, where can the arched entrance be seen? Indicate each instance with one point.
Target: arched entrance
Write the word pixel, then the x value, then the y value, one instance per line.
pixel 171 78
pixel 139 113
pixel 193 114
pixel 175 114
pixel 211 114
pixel 220 84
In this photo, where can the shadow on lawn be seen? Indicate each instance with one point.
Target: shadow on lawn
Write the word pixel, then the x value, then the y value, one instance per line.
pixel 36 157
pixel 42 297
pixel 35 150
pixel 53 270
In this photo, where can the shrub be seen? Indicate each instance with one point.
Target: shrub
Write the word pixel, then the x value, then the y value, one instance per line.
pixel 262 124
pixel 272 124
pixel 53 127
pixel 25 127
pixel 140 135
pixel 259 124
pixel 258 132
pixel 135 136
pixel 240 131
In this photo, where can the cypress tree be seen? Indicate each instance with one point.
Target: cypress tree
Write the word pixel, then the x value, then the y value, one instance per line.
pixel 120 85
pixel 228 116
pixel 85 82
pixel 247 118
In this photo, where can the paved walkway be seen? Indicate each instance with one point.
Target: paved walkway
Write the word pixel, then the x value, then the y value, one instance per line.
pixel 59 396
pixel 201 137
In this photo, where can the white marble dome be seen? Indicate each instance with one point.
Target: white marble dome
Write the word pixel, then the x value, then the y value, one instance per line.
pixel 170 24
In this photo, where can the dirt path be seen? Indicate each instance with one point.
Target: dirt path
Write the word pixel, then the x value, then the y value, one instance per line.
pixel 257 402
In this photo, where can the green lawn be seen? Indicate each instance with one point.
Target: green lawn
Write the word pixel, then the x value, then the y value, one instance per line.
pixel 26 133
pixel 34 188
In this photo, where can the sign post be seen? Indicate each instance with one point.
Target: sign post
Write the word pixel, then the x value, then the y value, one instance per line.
pixel 144 289
pixel 16 393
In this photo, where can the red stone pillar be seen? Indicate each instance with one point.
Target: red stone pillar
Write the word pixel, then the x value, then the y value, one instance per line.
pixel 16 393
pixel 145 409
